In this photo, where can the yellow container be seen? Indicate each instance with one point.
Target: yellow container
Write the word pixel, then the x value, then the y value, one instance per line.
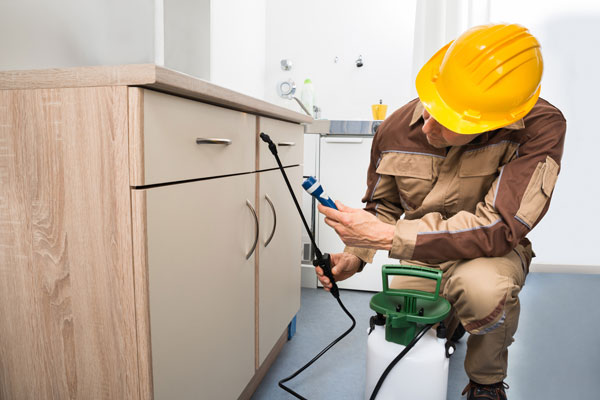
pixel 379 111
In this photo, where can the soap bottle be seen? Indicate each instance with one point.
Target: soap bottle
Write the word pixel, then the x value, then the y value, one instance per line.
pixel 308 96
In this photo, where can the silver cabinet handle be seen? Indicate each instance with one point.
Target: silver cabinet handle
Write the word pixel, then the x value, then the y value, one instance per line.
pixel 226 142
pixel 256 229
pixel 286 144
pixel 274 220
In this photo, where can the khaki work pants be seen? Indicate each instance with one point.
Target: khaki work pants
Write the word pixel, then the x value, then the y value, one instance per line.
pixel 484 296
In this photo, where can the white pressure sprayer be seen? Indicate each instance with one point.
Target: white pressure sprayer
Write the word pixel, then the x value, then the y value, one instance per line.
pixel 402 324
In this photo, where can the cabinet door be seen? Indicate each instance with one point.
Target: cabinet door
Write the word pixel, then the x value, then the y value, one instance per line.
pixel 201 287
pixel 279 258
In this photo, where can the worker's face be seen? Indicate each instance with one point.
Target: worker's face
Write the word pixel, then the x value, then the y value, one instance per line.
pixel 440 136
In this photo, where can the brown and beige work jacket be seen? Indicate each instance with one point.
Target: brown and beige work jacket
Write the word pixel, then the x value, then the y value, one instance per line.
pixel 476 200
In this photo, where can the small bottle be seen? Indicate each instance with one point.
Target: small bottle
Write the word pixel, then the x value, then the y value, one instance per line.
pixel 379 111
pixel 308 96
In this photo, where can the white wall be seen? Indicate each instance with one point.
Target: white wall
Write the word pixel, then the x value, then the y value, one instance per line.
pixel 218 40
pixel 437 22
pixel 312 33
pixel 67 33
pixel 237 45
pixel 186 37
pixel 569 33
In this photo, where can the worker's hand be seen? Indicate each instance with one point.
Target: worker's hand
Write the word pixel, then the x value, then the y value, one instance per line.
pixel 343 266
pixel 358 228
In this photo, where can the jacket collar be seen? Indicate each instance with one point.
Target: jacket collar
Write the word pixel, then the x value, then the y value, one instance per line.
pixel 418 114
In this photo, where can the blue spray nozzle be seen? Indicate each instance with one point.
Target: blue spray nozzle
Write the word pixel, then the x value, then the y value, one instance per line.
pixel 314 188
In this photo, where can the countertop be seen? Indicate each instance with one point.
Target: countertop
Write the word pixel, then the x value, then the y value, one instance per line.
pixel 148 76
pixel 343 127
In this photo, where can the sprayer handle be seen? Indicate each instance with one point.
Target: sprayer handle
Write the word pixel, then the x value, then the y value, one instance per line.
pixel 325 264
pixel 411 270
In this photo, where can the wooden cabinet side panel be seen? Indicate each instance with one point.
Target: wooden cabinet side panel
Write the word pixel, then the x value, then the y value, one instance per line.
pixel 142 306
pixel 66 284
pixel 135 102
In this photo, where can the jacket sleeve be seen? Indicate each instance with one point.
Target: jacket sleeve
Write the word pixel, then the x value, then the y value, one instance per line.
pixel 514 205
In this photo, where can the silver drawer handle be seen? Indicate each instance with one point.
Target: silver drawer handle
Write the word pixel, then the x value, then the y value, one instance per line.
pixel 255 229
pixel 286 144
pixel 343 140
pixel 226 142
pixel 274 220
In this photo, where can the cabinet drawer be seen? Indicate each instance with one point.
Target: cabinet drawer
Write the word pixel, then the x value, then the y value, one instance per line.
pixel 165 145
pixel 289 138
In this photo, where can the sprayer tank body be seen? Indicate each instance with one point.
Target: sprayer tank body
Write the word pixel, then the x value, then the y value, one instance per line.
pixel 421 374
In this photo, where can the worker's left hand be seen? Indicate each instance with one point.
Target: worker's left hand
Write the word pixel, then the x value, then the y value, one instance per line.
pixel 357 227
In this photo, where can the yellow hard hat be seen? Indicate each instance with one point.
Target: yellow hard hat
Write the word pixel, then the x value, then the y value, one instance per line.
pixel 489 77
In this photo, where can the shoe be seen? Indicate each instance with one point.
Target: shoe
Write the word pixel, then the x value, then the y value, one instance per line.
pixel 476 391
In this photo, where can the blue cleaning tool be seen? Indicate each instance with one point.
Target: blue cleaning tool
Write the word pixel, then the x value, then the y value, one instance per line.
pixel 314 188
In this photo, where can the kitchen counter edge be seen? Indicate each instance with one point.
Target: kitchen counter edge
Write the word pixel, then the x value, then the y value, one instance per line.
pixel 148 76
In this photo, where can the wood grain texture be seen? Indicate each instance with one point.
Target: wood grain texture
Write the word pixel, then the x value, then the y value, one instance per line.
pixel 119 75
pixel 66 284
pixel 140 273
pixel 136 136
pixel 150 76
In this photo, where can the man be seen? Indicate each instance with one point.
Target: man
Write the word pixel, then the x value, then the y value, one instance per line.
pixel 471 165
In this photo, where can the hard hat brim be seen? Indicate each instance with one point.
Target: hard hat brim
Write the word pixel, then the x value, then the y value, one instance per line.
pixel 452 119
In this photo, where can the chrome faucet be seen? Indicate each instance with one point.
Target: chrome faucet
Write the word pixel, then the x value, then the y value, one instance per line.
pixel 287 89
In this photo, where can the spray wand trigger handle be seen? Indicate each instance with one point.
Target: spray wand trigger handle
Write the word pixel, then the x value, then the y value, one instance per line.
pixel 265 138
pixel 325 263
pixel 314 188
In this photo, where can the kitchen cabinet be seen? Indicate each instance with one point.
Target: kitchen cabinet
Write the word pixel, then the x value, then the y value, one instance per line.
pixel 201 286
pixel 289 141
pixel 166 144
pixel 133 258
pixel 279 256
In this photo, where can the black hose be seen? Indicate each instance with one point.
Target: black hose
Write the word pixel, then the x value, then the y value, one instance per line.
pixel 281 382
pixel 398 358
pixel 322 260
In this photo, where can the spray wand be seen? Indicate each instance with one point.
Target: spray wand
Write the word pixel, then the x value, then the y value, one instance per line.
pixel 321 260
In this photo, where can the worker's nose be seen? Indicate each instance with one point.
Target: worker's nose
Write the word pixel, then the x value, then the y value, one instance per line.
pixel 430 125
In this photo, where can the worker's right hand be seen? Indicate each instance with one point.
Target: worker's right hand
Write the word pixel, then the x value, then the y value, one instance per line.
pixel 343 266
